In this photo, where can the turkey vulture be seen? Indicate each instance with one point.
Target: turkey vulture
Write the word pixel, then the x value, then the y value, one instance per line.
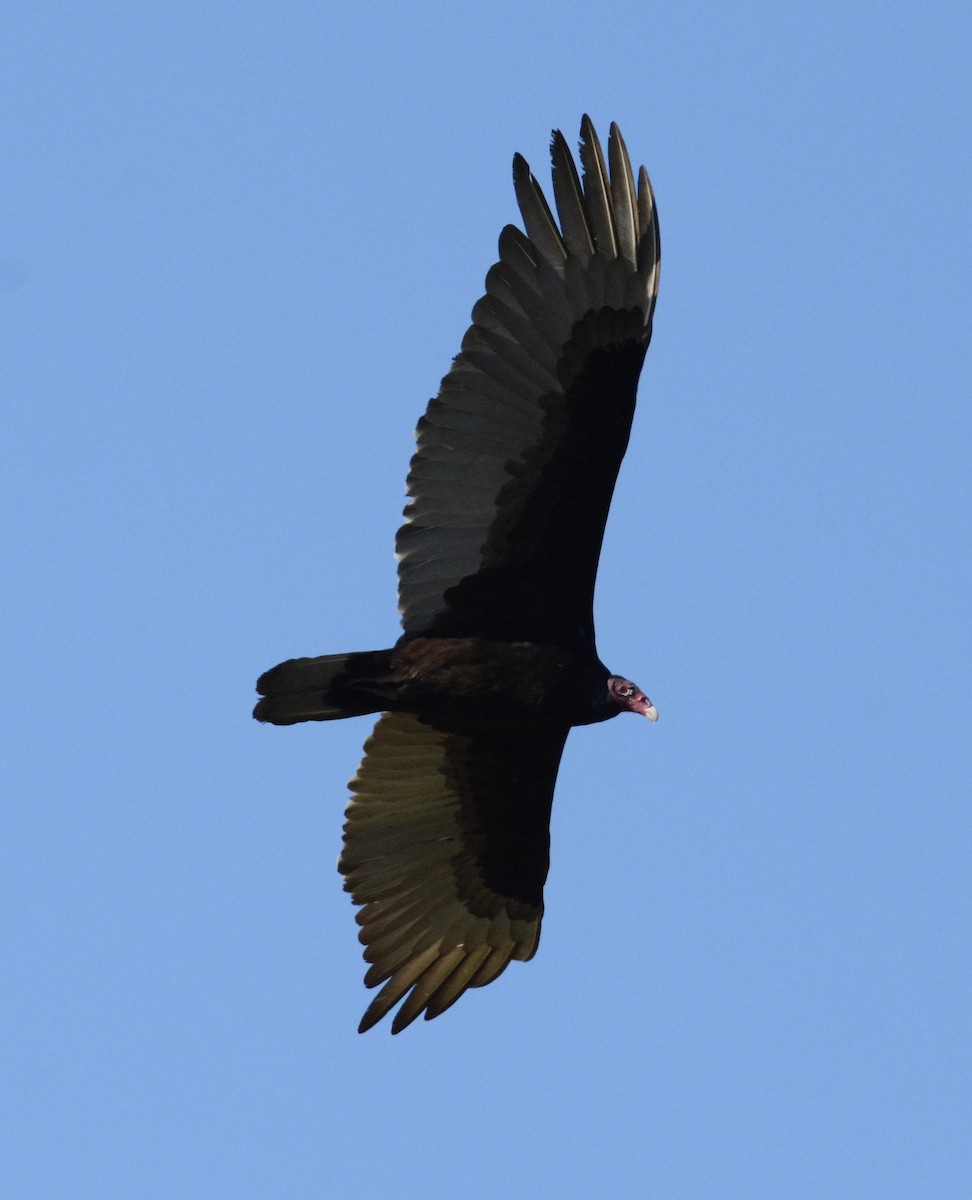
pixel 446 843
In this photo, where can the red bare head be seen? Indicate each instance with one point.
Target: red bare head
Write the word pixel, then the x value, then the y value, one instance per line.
pixel 628 696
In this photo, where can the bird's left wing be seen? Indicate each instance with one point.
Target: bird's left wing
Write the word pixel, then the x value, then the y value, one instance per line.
pixel 518 454
pixel 446 849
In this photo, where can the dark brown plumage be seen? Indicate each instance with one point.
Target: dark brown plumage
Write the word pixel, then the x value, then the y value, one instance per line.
pixel 447 833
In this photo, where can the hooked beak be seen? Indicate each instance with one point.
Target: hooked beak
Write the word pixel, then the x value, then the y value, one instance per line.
pixel 651 712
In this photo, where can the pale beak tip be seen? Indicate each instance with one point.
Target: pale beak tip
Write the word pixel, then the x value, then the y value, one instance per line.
pixel 651 712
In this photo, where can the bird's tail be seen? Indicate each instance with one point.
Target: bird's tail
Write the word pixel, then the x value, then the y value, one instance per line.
pixel 325 688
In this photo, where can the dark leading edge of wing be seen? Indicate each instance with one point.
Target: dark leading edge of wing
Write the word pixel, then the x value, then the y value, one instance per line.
pixel 518 454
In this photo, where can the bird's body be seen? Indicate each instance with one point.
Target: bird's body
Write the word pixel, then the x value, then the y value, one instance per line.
pixel 475 678
pixel 447 834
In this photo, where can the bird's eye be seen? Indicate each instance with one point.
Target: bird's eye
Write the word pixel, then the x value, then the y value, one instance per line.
pixel 625 690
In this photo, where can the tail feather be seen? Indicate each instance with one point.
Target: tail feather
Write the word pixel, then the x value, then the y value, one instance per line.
pixel 325 688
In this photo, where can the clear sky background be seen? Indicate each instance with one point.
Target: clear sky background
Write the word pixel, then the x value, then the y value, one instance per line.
pixel 239 246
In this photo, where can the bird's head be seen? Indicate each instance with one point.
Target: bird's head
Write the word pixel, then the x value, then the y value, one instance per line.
pixel 628 697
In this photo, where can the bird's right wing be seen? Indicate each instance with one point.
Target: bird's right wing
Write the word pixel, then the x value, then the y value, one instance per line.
pixel 517 456
pixel 446 849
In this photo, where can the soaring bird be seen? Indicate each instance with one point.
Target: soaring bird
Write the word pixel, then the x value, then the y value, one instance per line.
pixel 446 841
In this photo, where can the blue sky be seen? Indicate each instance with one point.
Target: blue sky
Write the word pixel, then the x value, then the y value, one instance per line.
pixel 239 246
